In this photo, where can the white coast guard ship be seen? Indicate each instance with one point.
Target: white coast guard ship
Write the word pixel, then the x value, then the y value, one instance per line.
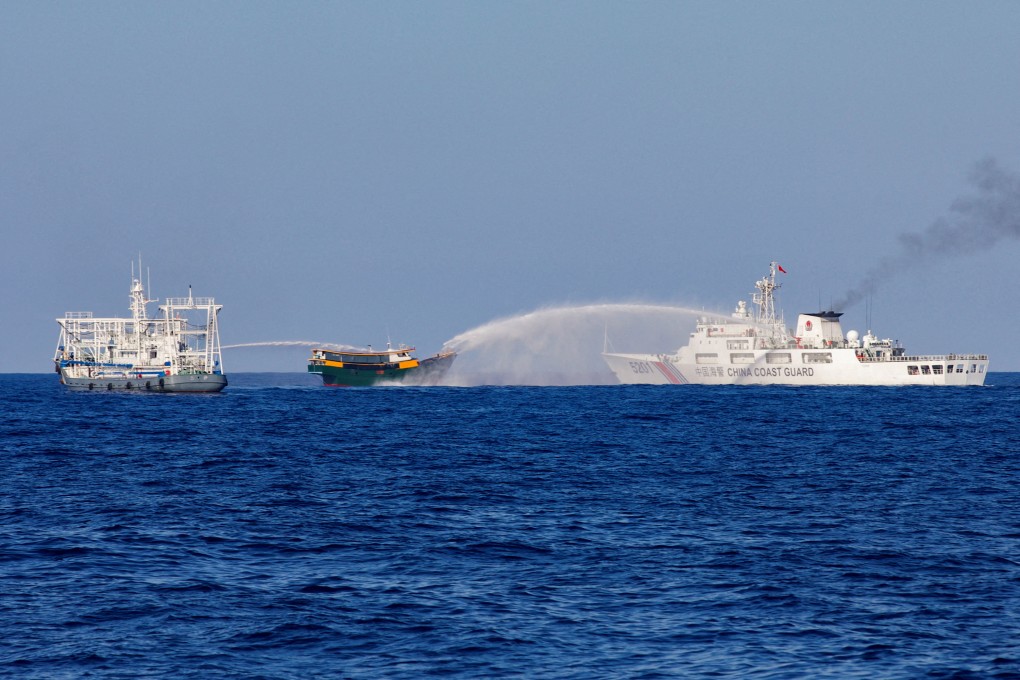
pixel 759 350
pixel 179 351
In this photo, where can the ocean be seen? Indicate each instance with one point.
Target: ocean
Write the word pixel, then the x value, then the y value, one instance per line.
pixel 287 530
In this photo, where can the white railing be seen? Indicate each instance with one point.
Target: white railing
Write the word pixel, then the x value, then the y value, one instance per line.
pixel 927 358
pixel 190 302
pixel 942 357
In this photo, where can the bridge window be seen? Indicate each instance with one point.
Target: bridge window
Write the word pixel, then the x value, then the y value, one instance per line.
pixel 737 344
pixel 817 357
pixel 912 370
pixel 937 369
pixel 777 358
pixel 742 358
pixel 706 358
pixel 362 359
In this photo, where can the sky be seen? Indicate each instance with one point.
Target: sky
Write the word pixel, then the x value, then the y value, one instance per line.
pixel 358 173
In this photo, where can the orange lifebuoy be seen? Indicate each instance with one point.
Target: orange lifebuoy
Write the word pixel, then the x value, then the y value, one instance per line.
pixel 167 372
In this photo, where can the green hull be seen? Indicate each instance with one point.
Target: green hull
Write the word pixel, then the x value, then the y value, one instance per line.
pixel 428 372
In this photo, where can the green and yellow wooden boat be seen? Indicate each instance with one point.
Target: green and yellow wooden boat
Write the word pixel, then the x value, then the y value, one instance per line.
pixel 363 368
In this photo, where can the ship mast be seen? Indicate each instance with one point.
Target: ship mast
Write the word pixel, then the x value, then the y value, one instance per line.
pixel 765 300
pixel 139 311
pixel 138 299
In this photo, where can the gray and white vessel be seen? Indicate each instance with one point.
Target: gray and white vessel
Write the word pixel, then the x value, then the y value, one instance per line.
pixel 178 351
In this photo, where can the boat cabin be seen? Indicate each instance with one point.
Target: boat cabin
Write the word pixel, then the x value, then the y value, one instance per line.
pixel 389 356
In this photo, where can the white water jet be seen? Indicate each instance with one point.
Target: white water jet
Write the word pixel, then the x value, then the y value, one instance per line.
pixel 563 345
pixel 554 345
pixel 294 343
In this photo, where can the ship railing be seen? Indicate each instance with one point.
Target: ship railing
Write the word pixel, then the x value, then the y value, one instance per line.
pixel 929 358
pixel 96 364
pixel 77 315
pixel 943 357
pixel 190 302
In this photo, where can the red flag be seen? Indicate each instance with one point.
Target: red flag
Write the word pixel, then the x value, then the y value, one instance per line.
pixel 780 267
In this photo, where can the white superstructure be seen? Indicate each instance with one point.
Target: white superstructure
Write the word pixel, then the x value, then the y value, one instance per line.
pixel 178 351
pixel 759 350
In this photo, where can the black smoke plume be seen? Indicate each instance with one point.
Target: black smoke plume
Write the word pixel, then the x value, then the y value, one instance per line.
pixel 975 223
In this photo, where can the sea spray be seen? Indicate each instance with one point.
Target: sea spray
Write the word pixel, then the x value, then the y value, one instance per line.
pixel 563 345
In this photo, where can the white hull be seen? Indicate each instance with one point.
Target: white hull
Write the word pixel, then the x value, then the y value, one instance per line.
pixel 845 369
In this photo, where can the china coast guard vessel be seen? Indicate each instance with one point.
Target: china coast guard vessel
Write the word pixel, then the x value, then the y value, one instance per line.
pixel 362 368
pixel 178 351
pixel 759 350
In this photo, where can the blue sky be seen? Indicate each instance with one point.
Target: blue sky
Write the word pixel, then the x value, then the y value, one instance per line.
pixel 352 172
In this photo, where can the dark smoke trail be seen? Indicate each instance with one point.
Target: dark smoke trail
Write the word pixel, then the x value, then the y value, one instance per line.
pixel 975 223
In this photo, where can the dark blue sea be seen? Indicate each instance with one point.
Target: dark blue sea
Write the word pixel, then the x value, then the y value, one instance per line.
pixel 285 530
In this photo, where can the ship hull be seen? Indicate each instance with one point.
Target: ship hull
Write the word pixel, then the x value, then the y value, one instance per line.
pixel 205 382
pixel 427 372
pixel 843 369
